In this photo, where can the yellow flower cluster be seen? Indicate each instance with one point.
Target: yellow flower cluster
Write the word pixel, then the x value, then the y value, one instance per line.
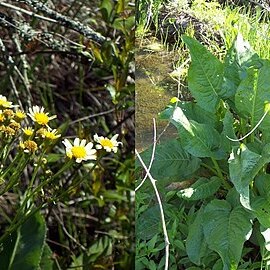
pixel 31 138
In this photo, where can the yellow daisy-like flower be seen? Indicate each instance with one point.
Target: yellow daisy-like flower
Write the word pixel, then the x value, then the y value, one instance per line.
pixel 4 103
pixel 38 115
pixel 28 131
pixel 50 134
pixel 80 150
pixel 108 144
pixel 20 115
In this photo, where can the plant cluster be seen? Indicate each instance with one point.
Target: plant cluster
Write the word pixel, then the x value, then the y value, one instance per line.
pixel 27 143
pixel 214 178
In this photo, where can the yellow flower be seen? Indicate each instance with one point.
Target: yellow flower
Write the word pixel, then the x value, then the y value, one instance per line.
pixel 38 115
pixel 16 126
pixel 28 146
pixel 80 150
pixel 8 113
pixel 106 143
pixel 50 135
pixel 2 116
pixel 4 103
pixel 9 131
pixel 20 115
pixel 174 100
pixel 28 131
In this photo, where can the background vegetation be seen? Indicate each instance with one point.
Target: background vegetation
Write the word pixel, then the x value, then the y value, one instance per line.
pixel 75 58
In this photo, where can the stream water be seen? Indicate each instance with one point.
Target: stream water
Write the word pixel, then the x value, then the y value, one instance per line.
pixel 154 89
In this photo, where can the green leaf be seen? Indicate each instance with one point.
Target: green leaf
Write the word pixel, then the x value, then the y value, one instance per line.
pixel 262 183
pixel 238 58
pixel 31 243
pixel 192 112
pixel 7 250
pixel 147 225
pixel 24 248
pixel 244 165
pixel 46 262
pixel 261 207
pixel 225 230
pixel 195 243
pixel 100 247
pixel 106 9
pixel 204 75
pixel 171 160
pixel 200 140
pixel 228 131
pixel 252 95
pixel 266 235
pixel 201 189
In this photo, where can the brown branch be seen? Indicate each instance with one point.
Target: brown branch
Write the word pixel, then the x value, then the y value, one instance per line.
pixel 65 21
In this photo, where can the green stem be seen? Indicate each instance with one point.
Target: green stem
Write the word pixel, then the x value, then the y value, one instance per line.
pixel 220 175
pixel 78 182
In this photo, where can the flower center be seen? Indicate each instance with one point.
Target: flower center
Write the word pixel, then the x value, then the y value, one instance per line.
pixel 78 151
pixel 42 118
pixel 106 143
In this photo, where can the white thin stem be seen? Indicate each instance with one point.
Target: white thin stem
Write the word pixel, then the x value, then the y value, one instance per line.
pixel 166 238
pixel 249 133
pixel 153 154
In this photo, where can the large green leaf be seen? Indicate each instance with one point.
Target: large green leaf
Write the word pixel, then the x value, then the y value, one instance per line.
pixel 201 189
pixel 200 140
pixel 171 160
pixel 225 230
pixel 262 183
pixel 25 253
pixel 205 75
pixel 148 223
pixel 253 93
pixel 195 243
pixel 238 58
pixel 192 112
pixel 261 207
pixel 244 165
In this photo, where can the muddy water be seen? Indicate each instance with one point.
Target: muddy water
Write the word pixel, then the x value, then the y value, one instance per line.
pixel 154 89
